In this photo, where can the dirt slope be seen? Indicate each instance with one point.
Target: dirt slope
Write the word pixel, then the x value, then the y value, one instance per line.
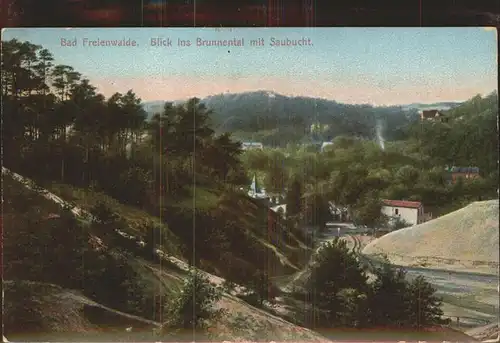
pixel 488 332
pixel 465 240
pixel 49 311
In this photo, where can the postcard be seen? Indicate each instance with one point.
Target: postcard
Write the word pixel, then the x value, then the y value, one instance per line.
pixel 250 184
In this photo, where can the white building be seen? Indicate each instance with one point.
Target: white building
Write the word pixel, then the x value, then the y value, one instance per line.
pixel 411 212
pixel 252 145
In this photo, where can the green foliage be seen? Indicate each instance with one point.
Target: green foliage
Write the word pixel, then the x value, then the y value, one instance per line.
pixel 398 223
pixel 357 173
pixel 288 119
pixel 317 211
pixel 103 275
pixel 194 307
pixel 173 167
pixel 262 289
pixel 369 213
pixel 294 198
pixel 424 306
pixel 472 127
pixel 414 303
pixel 342 296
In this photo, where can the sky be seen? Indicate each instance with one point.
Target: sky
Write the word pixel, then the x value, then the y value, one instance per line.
pixel 379 66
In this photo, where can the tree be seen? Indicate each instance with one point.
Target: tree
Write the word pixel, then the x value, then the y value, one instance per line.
pixel 424 307
pixel 407 175
pixel 369 213
pixel 390 287
pixel 354 308
pixel 317 210
pixel 221 156
pixel 262 287
pixel 194 307
pixel 294 198
pixel 334 269
pixel 413 303
pixel 153 238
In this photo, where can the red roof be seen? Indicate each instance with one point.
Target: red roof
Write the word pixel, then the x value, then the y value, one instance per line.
pixel 402 203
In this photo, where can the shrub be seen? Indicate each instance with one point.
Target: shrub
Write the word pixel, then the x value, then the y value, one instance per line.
pixel 194 306
pixel 343 297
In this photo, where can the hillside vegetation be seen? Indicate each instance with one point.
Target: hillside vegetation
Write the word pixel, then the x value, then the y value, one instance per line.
pixel 357 173
pixel 70 139
pixel 172 184
pixel 89 289
pixel 277 120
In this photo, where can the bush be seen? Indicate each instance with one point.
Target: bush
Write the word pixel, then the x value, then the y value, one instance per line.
pixel 113 282
pixel 399 223
pixel 343 297
pixel 194 306
pixel 262 289
pixel 412 304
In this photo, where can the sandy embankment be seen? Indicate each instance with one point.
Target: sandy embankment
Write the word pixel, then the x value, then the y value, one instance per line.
pixel 466 240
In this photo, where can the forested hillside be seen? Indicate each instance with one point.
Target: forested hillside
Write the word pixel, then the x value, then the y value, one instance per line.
pixel 468 138
pixel 277 120
pixel 167 181
pixel 356 173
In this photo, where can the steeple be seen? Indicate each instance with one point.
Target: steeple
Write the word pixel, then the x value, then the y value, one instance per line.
pixel 254 188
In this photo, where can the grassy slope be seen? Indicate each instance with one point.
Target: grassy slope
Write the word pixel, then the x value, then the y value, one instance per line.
pixel 85 199
pixel 284 252
pixel 62 314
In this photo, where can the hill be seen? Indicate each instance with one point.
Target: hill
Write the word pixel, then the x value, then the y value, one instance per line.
pixel 443 106
pixel 50 294
pixel 466 239
pixel 276 119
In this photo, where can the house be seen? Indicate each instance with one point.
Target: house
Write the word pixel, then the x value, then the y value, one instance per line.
pixel 433 115
pixel 252 146
pixel 465 173
pixel 411 212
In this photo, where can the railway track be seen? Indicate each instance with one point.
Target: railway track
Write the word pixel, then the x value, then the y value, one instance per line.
pixel 357 246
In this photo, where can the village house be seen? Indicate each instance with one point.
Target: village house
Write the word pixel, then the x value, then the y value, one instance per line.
pixel 252 146
pixel 465 173
pixel 412 212
pixel 433 115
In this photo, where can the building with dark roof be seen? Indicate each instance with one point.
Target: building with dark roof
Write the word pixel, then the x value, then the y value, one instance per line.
pixel 433 115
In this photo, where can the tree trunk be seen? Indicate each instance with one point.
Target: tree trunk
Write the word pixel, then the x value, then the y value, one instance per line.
pixel 62 169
